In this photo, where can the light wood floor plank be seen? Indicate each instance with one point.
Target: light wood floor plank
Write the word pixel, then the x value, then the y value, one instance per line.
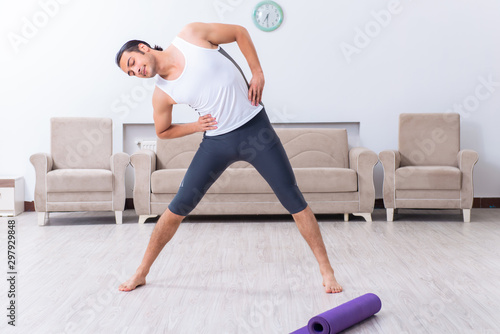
pixel 433 273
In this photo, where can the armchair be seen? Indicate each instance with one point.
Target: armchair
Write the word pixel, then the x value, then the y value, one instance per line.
pixel 81 173
pixel 429 170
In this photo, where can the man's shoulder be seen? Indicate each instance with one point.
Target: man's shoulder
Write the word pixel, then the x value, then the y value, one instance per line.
pixel 161 99
pixel 196 34
pixel 193 29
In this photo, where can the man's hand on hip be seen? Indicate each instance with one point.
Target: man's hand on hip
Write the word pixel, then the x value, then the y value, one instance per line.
pixel 256 88
pixel 206 123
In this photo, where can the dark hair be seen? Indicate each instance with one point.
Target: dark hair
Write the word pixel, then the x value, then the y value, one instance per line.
pixel 133 46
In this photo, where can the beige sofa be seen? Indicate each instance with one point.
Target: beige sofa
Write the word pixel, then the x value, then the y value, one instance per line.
pixel 428 170
pixel 332 178
pixel 81 173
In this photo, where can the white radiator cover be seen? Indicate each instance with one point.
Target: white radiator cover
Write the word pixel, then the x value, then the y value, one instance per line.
pixel 147 145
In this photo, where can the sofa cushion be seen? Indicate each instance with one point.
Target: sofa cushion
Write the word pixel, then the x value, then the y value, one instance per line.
pixel 315 147
pixel 233 180
pixel 428 177
pixel 177 153
pixel 78 180
pixel 248 180
pixel 326 180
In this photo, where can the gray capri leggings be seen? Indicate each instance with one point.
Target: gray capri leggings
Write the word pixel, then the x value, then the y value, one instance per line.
pixel 255 142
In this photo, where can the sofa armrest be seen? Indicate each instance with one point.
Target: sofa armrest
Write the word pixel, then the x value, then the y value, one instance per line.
pixel 391 160
pixel 144 163
pixel 43 164
pixel 466 161
pixel 363 160
pixel 119 163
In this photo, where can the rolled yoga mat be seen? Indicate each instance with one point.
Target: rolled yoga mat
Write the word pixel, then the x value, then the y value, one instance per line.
pixel 343 316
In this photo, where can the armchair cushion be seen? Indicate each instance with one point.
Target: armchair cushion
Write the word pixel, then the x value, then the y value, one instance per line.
pixel 79 180
pixel 428 178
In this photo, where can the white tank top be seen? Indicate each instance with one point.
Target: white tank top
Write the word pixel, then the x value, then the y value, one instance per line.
pixel 211 83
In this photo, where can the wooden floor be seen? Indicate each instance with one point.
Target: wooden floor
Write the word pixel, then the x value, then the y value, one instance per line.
pixel 433 273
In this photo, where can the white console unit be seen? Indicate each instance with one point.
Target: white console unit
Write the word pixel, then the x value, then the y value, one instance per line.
pixel 11 196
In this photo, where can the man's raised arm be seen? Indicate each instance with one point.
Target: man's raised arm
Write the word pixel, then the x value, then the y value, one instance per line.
pixel 219 33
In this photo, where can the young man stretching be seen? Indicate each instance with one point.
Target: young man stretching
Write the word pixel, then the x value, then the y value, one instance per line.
pixel 195 70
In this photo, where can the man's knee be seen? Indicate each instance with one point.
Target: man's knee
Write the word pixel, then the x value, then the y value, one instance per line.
pixel 179 209
pixel 185 201
pixel 292 199
pixel 173 216
pixel 170 217
pixel 303 212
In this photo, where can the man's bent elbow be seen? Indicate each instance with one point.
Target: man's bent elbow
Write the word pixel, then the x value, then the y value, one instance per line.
pixel 241 31
pixel 165 134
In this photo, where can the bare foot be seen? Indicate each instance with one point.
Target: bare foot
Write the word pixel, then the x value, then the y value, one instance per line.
pixel 330 283
pixel 133 282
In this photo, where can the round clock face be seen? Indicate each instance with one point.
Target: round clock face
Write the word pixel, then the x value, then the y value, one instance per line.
pixel 268 15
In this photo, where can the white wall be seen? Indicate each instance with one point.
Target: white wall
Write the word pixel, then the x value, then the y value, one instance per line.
pixel 427 57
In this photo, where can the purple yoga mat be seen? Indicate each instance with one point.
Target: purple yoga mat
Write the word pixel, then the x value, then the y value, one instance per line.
pixel 343 316
pixel 302 330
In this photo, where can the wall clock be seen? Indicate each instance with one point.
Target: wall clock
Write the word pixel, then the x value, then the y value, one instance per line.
pixel 267 15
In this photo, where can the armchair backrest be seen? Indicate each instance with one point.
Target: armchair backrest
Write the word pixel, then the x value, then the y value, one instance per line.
pixel 305 147
pixel 429 139
pixel 81 142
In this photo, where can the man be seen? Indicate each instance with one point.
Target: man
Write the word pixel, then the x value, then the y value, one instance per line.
pixel 194 70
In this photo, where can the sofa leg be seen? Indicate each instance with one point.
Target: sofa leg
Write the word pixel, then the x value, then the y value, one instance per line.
pixel 142 218
pixel 41 218
pixel 366 216
pixel 466 215
pixel 390 215
pixel 118 217
pixel 346 217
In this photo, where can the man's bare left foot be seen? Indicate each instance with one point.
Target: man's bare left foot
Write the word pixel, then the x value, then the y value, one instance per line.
pixel 133 282
pixel 330 283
